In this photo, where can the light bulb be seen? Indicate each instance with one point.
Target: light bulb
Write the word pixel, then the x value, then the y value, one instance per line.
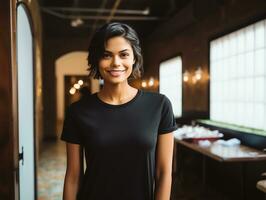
pixel 143 84
pixel 198 73
pixel 72 91
pixel 80 82
pixel 151 82
pixel 77 86
pixel 186 76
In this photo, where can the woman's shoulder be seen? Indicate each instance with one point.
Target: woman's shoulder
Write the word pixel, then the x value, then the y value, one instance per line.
pixel 156 97
pixel 83 102
pixel 153 95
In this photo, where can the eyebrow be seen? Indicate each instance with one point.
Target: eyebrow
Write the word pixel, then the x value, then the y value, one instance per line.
pixel 106 51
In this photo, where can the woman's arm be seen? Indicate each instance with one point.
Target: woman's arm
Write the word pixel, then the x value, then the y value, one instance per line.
pixel 72 176
pixel 164 156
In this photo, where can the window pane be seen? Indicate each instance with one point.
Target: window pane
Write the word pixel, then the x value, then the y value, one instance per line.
pixel 260 62
pixel 259 35
pixel 238 78
pixel 171 83
pixel 249 36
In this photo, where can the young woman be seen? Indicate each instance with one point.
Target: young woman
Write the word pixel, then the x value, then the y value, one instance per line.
pixel 126 132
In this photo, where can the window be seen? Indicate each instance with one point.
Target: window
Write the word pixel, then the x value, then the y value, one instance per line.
pixel 171 83
pixel 238 78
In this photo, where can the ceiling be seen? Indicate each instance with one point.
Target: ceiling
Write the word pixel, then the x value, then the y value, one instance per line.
pixel 80 18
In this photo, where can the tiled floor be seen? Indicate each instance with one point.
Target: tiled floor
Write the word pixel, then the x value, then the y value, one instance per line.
pixel 51 171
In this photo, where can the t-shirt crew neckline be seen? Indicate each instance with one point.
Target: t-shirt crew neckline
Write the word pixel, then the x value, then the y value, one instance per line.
pixel 118 105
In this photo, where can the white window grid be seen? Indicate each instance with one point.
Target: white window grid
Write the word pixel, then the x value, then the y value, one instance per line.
pixel 238 78
pixel 170 73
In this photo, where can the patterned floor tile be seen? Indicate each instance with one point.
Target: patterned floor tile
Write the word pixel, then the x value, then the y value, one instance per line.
pixel 51 171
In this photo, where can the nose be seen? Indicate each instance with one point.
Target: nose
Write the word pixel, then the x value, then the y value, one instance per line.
pixel 116 61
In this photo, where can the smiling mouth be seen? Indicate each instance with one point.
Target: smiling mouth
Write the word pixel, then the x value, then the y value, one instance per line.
pixel 116 73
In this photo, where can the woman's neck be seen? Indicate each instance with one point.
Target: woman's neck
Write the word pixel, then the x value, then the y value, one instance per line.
pixel 117 94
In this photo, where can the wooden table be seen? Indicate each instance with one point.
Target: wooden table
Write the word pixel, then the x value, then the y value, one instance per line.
pixel 221 153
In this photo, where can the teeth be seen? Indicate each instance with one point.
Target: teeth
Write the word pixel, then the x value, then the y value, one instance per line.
pixel 116 73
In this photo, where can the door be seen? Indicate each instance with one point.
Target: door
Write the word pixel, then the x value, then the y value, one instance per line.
pixel 25 105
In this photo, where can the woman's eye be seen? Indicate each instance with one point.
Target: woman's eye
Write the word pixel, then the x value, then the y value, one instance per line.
pixel 106 56
pixel 123 55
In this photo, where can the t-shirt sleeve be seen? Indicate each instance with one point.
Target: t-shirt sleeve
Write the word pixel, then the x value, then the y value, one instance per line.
pixel 167 122
pixel 70 132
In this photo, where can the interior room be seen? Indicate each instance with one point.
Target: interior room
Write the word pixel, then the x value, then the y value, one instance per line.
pixel 208 57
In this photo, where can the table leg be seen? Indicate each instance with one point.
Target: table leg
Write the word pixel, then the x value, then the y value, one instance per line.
pixel 204 175
pixel 204 172
pixel 243 180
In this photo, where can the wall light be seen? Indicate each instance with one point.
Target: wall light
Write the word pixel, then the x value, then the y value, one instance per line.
pixel 151 81
pixel 186 76
pixel 198 74
pixel 194 77
pixel 144 84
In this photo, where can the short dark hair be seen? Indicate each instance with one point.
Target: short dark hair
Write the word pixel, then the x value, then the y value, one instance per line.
pixel 98 43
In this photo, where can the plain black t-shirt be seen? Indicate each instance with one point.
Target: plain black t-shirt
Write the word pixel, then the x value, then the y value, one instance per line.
pixel 120 144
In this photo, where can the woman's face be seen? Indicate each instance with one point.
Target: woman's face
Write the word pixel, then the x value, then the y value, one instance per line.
pixel 117 62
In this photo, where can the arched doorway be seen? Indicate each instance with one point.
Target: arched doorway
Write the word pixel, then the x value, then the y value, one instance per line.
pixel 25 75
pixel 70 64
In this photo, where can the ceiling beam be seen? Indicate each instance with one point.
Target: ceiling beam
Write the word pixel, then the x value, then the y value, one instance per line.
pixel 113 11
pixel 100 10
pixel 97 17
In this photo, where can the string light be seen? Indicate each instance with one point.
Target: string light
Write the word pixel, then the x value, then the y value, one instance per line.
pixel 80 82
pixel 72 91
pixel 77 22
pixel 77 86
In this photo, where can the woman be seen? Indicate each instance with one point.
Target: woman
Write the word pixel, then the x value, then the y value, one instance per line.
pixel 126 132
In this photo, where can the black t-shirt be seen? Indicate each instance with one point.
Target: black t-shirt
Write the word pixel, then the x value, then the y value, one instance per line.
pixel 120 144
